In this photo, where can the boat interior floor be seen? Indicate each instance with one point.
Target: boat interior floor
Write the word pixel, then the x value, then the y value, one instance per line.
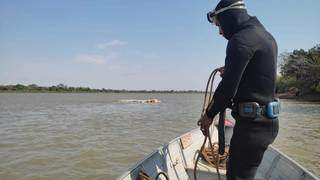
pixel 207 172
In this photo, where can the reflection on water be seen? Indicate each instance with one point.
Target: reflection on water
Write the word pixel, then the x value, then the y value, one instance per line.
pixel 73 136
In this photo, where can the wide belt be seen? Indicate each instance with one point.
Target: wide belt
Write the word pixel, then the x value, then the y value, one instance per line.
pixel 254 109
pixel 249 109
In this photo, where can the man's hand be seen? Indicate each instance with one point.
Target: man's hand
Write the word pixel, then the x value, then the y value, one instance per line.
pixel 221 71
pixel 204 124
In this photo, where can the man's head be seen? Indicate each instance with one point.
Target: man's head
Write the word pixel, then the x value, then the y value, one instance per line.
pixel 228 15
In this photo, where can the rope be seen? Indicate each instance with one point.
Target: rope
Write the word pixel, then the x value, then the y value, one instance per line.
pixel 216 150
pixel 216 157
pixel 143 176
pixel 212 158
pixel 162 173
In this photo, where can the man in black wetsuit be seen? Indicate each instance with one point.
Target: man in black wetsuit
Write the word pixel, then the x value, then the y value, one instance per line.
pixel 249 77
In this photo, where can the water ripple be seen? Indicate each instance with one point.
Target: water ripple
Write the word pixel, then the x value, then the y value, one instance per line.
pixel 93 136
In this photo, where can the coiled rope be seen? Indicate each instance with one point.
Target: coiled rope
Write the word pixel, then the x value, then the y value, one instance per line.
pixel 215 151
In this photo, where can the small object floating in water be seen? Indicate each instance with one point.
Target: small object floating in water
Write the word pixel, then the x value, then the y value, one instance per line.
pixel 148 101
pixel 152 101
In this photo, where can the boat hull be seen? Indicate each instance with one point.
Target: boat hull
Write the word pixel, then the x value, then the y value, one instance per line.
pixel 177 159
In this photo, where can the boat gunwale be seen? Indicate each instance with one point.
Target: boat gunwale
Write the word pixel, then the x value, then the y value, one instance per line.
pixel 272 148
pixel 284 156
pixel 136 165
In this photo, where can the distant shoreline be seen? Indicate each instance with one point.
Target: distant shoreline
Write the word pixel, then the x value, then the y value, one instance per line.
pixel 307 97
pixel 33 88
pixel 80 92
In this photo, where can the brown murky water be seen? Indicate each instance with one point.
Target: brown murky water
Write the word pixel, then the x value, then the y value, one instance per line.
pixel 96 136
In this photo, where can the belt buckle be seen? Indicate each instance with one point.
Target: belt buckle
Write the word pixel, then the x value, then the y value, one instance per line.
pixel 249 109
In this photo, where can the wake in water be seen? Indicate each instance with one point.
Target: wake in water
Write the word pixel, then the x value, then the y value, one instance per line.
pixel 146 101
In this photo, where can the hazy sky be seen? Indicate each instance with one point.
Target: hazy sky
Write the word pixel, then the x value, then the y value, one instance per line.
pixel 126 44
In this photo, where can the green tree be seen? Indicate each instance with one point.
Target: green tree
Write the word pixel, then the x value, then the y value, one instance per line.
pixel 20 87
pixel 301 69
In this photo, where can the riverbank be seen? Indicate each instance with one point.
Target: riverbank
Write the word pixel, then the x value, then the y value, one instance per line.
pixel 106 92
pixel 61 88
pixel 306 97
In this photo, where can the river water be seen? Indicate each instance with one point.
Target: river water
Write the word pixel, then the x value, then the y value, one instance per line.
pixel 97 136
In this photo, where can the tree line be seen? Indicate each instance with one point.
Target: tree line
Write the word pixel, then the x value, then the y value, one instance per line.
pixel 300 72
pixel 67 89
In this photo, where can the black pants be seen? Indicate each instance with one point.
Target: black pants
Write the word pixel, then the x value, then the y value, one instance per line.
pixel 251 137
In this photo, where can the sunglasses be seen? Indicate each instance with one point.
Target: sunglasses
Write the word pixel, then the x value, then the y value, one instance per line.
pixel 212 15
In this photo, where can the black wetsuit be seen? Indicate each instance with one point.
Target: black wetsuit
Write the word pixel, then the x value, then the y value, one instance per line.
pixel 249 76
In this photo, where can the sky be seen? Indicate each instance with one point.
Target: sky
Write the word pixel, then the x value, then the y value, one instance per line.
pixel 125 44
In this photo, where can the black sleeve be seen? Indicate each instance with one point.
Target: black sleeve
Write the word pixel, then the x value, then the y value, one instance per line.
pixel 237 58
